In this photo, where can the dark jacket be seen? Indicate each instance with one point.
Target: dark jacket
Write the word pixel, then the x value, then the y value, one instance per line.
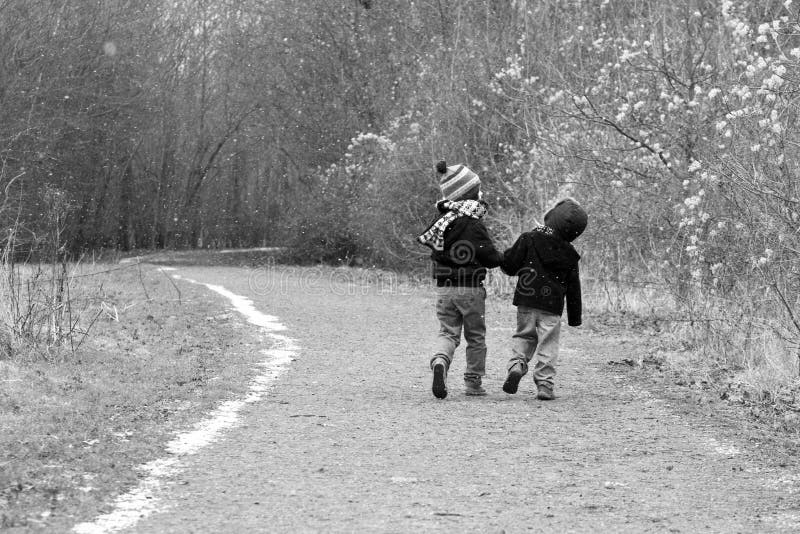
pixel 468 252
pixel 547 267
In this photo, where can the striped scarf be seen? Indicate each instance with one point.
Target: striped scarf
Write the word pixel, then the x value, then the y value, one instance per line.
pixel 433 237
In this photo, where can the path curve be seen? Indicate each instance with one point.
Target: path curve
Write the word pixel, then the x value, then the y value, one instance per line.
pixel 350 438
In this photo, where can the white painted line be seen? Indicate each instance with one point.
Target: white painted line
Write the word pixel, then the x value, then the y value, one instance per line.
pixel 245 307
pixel 143 500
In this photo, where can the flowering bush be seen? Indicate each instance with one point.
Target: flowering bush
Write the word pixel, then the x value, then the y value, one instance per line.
pixel 682 143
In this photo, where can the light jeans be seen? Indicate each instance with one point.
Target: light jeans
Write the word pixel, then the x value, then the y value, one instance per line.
pixel 536 337
pixel 458 307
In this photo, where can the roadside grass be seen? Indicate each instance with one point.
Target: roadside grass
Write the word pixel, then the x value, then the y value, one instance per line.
pixel 76 423
pixel 706 346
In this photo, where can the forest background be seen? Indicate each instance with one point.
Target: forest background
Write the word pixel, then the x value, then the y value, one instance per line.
pixel 314 125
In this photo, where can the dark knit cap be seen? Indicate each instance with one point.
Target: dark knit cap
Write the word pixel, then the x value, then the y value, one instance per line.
pixel 567 218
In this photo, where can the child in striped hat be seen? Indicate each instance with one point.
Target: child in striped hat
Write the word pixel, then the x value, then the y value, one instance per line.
pixel 462 251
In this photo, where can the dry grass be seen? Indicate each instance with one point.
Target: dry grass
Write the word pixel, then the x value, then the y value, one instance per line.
pixel 76 422
pixel 642 300
pixel 748 345
pixel 735 349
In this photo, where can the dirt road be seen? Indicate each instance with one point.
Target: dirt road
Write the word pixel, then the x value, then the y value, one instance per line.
pixel 350 439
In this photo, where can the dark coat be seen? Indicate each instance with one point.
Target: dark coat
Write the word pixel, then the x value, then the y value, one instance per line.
pixel 468 252
pixel 547 267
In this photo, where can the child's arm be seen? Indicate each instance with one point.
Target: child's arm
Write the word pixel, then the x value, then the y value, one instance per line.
pixel 485 252
pixel 573 294
pixel 514 257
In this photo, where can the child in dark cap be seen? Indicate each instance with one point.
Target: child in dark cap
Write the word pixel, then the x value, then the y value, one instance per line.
pixel 462 251
pixel 546 265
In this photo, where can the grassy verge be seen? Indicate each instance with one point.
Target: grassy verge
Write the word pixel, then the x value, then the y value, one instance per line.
pixel 76 423
pixel 704 348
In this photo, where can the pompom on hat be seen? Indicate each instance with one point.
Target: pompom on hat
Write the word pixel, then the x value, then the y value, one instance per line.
pixel 457 182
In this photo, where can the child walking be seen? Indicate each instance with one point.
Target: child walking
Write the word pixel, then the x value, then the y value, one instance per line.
pixel 547 266
pixel 462 251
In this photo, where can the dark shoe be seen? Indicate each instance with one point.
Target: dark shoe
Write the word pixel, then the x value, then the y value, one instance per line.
pixel 515 374
pixel 473 388
pixel 439 379
pixel 545 392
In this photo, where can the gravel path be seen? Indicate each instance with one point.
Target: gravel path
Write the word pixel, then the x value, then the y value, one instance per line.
pixel 351 439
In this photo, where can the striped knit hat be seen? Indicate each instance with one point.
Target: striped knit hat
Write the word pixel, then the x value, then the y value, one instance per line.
pixel 457 181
